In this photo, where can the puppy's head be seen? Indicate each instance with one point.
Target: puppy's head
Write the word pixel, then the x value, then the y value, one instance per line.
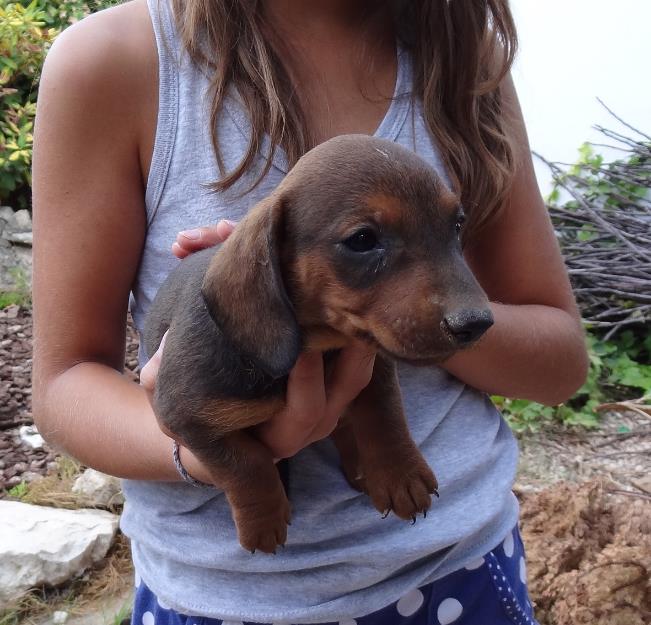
pixel 375 252
pixel 362 237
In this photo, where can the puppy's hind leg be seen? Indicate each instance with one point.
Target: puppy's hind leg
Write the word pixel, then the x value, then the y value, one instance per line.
pixel 244 468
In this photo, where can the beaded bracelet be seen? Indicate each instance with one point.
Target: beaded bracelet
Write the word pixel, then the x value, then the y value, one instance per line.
pixel 181 469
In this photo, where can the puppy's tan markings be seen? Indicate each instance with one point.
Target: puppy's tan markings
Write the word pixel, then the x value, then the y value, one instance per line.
pixel 229 415
pixel 387 209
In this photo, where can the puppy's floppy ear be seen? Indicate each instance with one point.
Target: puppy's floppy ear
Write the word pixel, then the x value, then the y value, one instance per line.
pixel 244 291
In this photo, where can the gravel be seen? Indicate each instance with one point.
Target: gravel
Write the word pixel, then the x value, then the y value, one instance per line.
pixel 18 461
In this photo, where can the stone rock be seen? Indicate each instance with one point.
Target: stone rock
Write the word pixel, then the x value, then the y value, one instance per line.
pixel 59 617
pixel 30 436
pixel 48 546
pixel 15 249
pixel 22 238
pixel 11 312
pixel 6 213
pixel 15 267
pixel 21 221
pixel 98 489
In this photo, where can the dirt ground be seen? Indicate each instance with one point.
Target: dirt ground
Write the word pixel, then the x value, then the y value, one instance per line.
pixel 586 520
pixel 588 555
pixel 586 497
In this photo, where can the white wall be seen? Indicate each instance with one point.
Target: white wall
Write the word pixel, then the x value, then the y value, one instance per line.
pixel 572 51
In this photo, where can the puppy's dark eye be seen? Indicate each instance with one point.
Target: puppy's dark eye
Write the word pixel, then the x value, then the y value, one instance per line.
pixel 458 226
pixel 363 240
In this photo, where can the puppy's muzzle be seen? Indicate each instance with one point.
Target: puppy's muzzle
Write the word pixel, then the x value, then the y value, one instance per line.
pixel 467 325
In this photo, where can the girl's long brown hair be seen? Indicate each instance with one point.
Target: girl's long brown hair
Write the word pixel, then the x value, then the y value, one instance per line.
pixel 461 50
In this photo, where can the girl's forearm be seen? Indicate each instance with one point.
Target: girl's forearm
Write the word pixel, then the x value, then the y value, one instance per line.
pixel 531 352
pixel 103 419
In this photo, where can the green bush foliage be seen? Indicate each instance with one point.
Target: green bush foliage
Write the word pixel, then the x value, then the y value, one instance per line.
pixel 27 29
pixel 61 13
pixel 23 41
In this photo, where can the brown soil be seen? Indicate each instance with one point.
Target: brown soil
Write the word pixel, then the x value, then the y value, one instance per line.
pixel 586 497
pixel 588 555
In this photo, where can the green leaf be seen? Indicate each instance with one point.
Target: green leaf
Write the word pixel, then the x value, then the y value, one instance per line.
pixel 585 234
pixel 638 377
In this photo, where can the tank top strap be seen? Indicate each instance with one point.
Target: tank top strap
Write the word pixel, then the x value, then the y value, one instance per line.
pixel 169 61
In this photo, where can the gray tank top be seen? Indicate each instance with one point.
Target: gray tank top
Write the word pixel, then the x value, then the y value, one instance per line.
pixel 342 559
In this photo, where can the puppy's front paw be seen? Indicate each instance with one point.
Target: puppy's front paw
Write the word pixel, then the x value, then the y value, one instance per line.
pixel 264 531
pixel 402 488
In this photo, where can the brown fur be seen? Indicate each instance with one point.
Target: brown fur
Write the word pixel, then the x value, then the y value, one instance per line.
pixel 232 415
pixel 296 274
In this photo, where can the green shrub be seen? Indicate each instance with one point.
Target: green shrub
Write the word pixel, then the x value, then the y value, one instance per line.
pixel 26 31
pixel 24 39
pixel 59 14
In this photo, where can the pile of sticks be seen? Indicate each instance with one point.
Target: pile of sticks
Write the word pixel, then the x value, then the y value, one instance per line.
pixel 604 229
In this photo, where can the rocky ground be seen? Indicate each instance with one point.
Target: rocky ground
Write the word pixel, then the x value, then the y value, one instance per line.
pixel 586 496
pixel 20 461
pixel 22 458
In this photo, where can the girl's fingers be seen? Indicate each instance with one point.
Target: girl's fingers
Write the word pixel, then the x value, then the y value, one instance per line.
pixel 188 241
pixel 290 430
pixel 352 373
pixel 149 372
pixel 313 407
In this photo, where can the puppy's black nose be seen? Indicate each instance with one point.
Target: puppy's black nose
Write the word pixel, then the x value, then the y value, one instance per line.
pixel 467 325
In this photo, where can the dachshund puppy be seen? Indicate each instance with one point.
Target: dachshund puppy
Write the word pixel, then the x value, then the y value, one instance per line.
pixel 361 239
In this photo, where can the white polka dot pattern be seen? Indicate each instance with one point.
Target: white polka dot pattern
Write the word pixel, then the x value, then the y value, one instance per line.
pixel 410 603
pixel 475 564
pixel 147 618
pixel 523 571
pixel 505 592
pixel 449 610
pixel 508 545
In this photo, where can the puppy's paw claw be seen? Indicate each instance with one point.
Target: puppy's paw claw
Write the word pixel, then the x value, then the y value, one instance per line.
pixel 406 492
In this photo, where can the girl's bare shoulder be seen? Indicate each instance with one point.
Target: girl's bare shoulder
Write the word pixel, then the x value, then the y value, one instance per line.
pixel 100 80
pixel 113 47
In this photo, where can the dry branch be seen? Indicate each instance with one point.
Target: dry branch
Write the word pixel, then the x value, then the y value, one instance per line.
pixel 604 230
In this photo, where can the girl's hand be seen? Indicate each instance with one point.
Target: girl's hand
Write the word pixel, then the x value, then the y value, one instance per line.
pixel 188 241
pixel 314 404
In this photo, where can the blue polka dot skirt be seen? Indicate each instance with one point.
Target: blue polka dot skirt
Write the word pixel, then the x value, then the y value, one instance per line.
pixel 490 591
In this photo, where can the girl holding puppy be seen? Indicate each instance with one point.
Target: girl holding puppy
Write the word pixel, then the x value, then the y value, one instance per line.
pixel 157 118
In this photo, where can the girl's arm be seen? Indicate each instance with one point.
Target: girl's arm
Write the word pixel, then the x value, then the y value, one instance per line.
pixel 89 228
pixel 536 348
pixel 93 139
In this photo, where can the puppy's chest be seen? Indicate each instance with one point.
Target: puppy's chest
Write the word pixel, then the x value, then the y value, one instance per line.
pixel 239 377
